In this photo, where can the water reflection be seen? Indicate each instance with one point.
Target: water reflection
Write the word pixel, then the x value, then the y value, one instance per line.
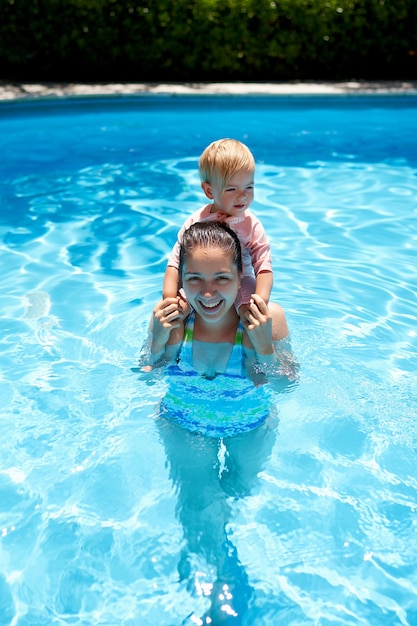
pixel 210 476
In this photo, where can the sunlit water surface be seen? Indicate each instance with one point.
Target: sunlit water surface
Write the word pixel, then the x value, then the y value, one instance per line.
pixel 108 515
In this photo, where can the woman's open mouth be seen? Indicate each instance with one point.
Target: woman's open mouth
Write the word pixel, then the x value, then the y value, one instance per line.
pixel 210 307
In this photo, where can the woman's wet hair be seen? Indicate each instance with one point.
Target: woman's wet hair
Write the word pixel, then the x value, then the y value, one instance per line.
pixel 211 235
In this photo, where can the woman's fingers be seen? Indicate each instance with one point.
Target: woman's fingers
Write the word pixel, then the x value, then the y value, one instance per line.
pixel 258 312
pixel 168 311
pixel 260 304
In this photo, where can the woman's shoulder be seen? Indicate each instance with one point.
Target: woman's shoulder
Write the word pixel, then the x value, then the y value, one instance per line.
pixel 280 328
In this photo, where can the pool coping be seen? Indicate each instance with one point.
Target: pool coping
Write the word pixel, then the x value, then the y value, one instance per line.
pixel 30 90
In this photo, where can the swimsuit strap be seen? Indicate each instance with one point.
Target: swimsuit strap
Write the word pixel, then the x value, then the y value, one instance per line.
pixel 186 352
pixel 239 334
pixel 189 331
pixel 235 363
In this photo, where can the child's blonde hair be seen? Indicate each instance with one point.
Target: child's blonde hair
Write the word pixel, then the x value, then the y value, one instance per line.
pixel 222 159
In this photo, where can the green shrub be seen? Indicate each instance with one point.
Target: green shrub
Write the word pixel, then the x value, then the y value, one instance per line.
pixel 206 40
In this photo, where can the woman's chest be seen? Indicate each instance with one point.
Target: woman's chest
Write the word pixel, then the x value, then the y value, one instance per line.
pixel 210 359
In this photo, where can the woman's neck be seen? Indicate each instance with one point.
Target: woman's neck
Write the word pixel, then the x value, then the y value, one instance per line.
pixel 223 332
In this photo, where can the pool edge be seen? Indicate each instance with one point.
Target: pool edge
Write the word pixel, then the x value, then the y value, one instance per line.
pixel 52 91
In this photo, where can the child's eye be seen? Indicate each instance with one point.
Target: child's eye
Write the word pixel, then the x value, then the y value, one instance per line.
pixel 192 279
pixel 223 279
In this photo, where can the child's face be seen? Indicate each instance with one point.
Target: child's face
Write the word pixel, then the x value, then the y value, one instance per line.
pixel 211 281
pixel 236 197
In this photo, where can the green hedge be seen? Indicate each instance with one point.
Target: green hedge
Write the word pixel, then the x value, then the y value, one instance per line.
pixel 207 40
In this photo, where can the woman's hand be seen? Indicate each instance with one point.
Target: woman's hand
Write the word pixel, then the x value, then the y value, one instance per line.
pixel 167 316
pixel 266 327
pixel 168 313
pixel 259 325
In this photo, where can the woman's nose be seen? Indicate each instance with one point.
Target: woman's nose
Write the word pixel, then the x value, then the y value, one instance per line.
pixel 208 289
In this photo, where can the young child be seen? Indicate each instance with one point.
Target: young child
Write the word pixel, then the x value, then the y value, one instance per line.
pixel 227 169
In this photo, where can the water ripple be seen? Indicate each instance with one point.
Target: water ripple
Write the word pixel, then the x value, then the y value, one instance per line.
pixel 89 523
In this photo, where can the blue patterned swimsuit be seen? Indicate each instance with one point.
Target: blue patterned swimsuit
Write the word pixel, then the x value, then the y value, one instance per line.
pixel 222 406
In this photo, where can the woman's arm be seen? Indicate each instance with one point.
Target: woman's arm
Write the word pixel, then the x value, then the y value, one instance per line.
pixel 166 322
pixel 166 331
pixel 267 346
pixel 265 325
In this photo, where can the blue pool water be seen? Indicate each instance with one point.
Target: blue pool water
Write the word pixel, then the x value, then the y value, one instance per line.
pixel 110 516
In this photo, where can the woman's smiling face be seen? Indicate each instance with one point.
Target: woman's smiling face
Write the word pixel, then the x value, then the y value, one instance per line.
pixel 211 281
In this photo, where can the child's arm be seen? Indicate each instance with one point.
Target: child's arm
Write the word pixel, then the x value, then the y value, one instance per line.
pixel 170 284
pixel 264 282
pixel 260 253
pixel 263 287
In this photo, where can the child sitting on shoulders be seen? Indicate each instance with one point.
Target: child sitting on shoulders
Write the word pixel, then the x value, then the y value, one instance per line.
pixel 227 170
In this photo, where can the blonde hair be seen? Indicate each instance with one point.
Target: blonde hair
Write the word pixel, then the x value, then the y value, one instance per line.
pixel 222 159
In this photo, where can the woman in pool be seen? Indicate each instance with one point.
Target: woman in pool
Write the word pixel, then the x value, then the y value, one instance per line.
pixel 221 423
pixel 212 345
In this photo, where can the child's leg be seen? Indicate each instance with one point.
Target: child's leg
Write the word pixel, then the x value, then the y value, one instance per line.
pixel 247 288
pixel 184 304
